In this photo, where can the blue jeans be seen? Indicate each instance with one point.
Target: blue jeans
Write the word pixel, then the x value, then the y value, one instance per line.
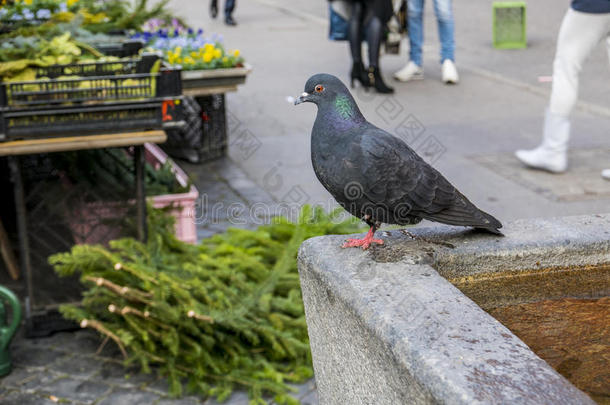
pixel 229 6
pixel 444 16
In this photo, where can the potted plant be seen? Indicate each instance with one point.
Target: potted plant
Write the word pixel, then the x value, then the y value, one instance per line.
pixel 207 67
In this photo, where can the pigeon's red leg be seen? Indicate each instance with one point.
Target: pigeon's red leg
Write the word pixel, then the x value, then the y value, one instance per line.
pixel 365 243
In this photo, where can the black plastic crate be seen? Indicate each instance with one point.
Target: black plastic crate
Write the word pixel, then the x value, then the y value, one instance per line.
pixel 106 97
pixel 184 142
pixel 203 137
pixel 88 120
pixel 121 50
pixel 214 127
pixel 121 67
pixel 102 81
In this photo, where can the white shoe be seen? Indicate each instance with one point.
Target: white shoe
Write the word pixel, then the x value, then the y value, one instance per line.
pixel 450 74
pixel 410 72
pixel 606 174
pixel 552 154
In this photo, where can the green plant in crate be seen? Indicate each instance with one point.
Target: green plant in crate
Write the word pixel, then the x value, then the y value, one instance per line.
pixel 20 56
pixel 222 315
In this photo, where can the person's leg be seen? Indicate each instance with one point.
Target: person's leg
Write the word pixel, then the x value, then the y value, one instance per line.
pixel 358 72
pixel 374 32
pixel 578 35
pixel 229 7
pixel 413 69
pixel 214 8
pixel 355 32
pixel 444 17
pixel 416 30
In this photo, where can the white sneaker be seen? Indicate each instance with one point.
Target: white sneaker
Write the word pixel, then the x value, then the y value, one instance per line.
pixel 606 174
pixel 410 72
pixel 552 154
pixel 450 74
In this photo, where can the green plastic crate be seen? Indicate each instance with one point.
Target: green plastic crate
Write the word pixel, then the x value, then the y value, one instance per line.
pixel 509 24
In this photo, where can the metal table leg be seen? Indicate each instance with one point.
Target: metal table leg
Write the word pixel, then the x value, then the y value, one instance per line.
pixel 22 230
pixel 139 160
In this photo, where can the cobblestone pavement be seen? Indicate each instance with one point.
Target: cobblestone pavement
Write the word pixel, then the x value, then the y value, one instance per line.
pixel 70 368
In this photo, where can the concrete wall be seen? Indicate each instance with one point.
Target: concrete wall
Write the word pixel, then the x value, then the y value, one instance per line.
pixel 387 327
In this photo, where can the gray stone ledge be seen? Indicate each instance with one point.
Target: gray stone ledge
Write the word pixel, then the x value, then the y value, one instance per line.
pixel 386 328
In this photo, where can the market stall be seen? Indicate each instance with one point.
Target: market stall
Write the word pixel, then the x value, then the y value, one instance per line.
pixel 103 77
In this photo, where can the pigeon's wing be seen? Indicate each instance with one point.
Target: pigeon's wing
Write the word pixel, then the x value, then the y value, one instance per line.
pixel 393 173
pixel 395 176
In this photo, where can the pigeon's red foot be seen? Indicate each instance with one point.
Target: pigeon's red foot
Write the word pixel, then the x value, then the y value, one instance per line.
pixel 365 243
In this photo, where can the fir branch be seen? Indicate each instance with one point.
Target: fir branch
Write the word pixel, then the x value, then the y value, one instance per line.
pixel 193 314
pixel 240 292
pixel 90 323
pixel 127 292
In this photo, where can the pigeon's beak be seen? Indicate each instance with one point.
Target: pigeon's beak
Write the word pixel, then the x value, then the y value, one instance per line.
pixel 302 98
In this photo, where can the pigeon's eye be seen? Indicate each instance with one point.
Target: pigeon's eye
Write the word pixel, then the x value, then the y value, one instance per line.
pixel 319 88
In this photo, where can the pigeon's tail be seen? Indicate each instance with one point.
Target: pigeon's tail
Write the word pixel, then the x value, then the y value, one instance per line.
pixel 466 213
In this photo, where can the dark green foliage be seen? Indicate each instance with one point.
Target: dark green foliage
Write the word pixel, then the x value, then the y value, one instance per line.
pixel 222 315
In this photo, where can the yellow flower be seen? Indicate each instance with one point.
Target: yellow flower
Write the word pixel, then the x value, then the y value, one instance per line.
pixel 71 2
pixel 189 60
pixel 178 50
pixel 28 2
pixel 207 57
pixel 96 18
pixel 173 57
pixel 225 59
pixel 208 47
pixel 193 54
pixel 66 16
pixel 217 53
pixel 236 53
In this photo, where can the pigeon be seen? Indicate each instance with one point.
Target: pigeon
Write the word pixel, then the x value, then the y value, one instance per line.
pixel 374 175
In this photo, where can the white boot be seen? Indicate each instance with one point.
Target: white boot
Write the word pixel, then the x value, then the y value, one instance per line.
pixel 552 154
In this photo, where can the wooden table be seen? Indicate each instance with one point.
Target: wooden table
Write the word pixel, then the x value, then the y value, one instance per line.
pixel 13 149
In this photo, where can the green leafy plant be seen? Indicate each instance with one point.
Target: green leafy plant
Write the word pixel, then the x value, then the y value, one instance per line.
pixel 222 315
pixel 20 55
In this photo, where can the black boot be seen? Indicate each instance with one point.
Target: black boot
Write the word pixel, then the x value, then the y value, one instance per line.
pixel 376 81
pixel 359 74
